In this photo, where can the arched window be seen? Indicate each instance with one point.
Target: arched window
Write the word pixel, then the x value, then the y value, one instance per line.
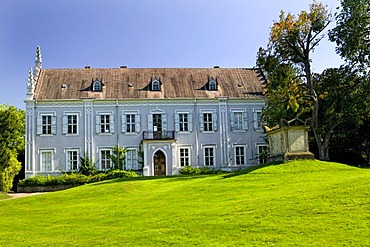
pixel 156 86
pixel 97 87
pixel 212 85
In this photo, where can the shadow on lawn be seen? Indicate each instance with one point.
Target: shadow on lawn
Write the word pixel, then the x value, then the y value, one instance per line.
pixel 168 178
pixel 249 170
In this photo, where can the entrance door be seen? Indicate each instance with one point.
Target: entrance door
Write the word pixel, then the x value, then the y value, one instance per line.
pixel 157 126
pixel 159 164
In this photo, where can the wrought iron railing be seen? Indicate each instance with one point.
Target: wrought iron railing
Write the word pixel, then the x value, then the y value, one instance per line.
pixel 159 135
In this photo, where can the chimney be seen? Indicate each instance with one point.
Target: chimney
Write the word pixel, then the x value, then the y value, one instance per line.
pixel 87 67
pixel 216 66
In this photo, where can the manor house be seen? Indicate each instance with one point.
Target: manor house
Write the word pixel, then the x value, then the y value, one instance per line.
pixel 165 118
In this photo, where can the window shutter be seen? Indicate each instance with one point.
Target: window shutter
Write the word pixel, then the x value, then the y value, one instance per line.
pixel 150 122
pixel 214 122
pixel 39 125
pixel 190 120
pixel 124 122
pixel 201 122
pixel 111 123
pixel 97 124
pixel 53 125
pixel 164 122
pixel 137 123
pixel 232 122
pixel 255 120
pixel 65 124
pixel 177 122
pixel 245 120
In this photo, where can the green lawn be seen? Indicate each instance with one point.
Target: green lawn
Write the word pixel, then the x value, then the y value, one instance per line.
pixel 294 204
pixel 3 196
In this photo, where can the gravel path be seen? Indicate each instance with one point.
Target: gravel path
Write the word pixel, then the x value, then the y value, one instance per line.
pixel 20 195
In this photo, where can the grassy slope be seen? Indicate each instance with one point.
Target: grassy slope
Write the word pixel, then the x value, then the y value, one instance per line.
pixel 294 204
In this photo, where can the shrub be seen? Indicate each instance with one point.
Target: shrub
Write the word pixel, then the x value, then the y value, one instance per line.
pixel 197 171
pixel 87 167
pixel 74 178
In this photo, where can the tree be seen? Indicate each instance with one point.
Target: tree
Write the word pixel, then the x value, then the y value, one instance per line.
pixel 283 89
pixel 292 40
pixel 12 129
pixel 352 33
pixel 118 157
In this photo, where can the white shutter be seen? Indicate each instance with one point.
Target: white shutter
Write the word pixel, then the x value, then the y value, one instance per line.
pixel 39 125
pixel 232 122
pixel 177 122
pixel 255 120
pixel 137 123
pixel 97 124
pixel 124 123
pixel 150 122
pixel 190 120
pixel 245 120
pixel 164 122
pixel 53 125
pixel 65 124
pixel 201 122
pixel 214 121
pixel 111 123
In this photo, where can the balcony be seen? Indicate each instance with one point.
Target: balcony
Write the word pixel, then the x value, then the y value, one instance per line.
pixel 159 135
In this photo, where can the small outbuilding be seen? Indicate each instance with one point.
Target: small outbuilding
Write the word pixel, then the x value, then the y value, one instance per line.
pixel 288 141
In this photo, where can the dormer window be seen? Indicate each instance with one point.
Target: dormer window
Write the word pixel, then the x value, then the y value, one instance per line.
pixel 156 85
pixel 212 85
pixel 97 86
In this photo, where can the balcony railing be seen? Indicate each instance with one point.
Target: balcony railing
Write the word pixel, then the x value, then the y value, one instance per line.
pixel 159 135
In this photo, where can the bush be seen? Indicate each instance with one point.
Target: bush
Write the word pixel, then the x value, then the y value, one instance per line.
pixel 74 178
pixel 197 171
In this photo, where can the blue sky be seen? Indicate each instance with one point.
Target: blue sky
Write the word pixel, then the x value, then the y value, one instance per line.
pixel 139 34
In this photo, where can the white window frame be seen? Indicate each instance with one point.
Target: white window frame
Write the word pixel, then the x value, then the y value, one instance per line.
pixel 241 124
pixel 258 145
pixel 133 160
pixel 97 86
pixel 184 158
pixel 42 152
pixel 179 123
pixel 257 122
pixel 101 160
pixel 244 148
pixel 213 122
pixel 156 85
pixel 109 128
pixel 124 123
pixel 68 164
pixel 212 85
pixel 66 124
pixel 40 123
pixel 205 157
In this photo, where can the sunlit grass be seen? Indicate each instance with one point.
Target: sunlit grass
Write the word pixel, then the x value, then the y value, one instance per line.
pixel 307 203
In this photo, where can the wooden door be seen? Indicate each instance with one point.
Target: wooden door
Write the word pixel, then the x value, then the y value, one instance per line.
pixel 159 164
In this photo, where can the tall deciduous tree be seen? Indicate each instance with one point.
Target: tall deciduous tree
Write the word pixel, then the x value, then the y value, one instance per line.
pixel 292 40
pixel 12 124
pixel 352 33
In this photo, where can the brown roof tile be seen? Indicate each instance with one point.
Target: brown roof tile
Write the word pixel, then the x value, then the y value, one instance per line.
pixel 176 83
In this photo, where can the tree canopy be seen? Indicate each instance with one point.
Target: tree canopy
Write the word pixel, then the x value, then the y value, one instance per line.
pixel 12 129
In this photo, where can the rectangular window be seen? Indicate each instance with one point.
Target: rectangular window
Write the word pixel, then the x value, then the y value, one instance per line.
pixel 130 123
pixel 46 125
pixel 104 124
pixel 209 158
pixel 72 160
pixel 46 161
pixel 183 122
pixel 262 153
pixel 239 155
pixel 105 161
pixel 207 122
pixel 131 159
pixel 71 124
pixel 257 114
pixel 238 121
pixel 184 157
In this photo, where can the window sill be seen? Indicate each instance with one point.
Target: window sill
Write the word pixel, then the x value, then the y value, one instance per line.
pixel 105 134
pixel 130 133
pixel 239 131
pixel 46 135
pixel 183 132
pixel 208 132
pixel 70 134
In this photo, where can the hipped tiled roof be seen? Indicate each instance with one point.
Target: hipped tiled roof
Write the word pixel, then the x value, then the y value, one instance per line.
pixel 132 83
